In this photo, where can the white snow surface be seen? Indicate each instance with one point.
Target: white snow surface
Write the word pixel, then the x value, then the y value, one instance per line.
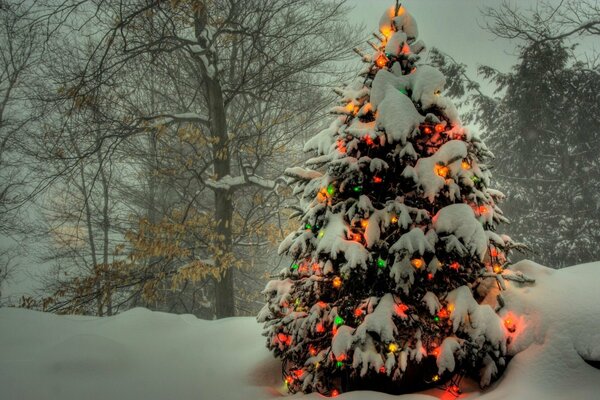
pixel 147 355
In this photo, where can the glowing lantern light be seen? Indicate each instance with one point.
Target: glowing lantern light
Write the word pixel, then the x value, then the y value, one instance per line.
pixel 322 304
pixel 289 380
pixel 284 339
pixel 338 320
pixel 443 313
pixel 298 373
pixel 381 263
pixel 394 219
pixel 393 347
pixel 494 252
pixel 427 130
pixel 465 165
pixel 510 325
pixel 357 237
pixel 322 195
pixel 442 170
pixel 364 223
pixel 312 350
pixel 386 31
pixel 482 209
pixel 335 393
pixel 350 107
pixel 320 328
pixel 337 282
pixel 498 269
pixel 439 128
pixel 435 351
pixel 417 262
pixel 435 378
pixel 454 389
pixel 358 312
pixel 400 309
pixel 455 266
pixel 382 370
pixel 450 307
pixel 377 179
pixel 369 140
pixel 381 61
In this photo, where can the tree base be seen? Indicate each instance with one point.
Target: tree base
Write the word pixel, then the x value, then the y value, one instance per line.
pixel 416 378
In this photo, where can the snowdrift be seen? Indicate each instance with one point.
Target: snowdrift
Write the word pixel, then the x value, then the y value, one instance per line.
pixel 149 355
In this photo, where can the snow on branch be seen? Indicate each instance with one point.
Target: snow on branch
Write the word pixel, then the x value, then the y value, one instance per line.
pixel 229 182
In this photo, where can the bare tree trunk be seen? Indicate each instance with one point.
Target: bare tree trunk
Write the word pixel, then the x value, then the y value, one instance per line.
pixel 106 275
pixel 224 296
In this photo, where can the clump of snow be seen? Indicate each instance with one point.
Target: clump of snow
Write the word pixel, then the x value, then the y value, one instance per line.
pixel 395 43
pixel 425 174
pixel 426 82
pixel 322 141
pixel 458 221
pixel 398 116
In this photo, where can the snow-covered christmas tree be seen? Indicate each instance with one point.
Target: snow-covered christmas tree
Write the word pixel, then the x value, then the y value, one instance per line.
pixel 398 246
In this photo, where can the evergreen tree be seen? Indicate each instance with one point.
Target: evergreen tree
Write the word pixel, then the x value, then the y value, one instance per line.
pixel 397 248
pixel 545 133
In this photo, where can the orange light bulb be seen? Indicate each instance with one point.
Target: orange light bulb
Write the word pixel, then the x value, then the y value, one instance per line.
pixel 381 61
pixel 417 262
pixel 465 165
pixel 442 170
pixel 439 128
pixel 337 282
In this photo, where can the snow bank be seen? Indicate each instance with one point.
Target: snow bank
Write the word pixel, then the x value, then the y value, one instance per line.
pixel 150 355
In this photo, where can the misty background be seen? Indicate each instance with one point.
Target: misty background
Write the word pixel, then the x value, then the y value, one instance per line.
pixel 132 177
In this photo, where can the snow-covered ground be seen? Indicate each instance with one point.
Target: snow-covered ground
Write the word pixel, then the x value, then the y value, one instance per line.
pixel 149 355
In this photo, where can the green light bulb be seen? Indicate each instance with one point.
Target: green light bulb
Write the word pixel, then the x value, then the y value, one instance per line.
pixel 381 263
pixel 330 189
pixel 295 266
pixel 338 320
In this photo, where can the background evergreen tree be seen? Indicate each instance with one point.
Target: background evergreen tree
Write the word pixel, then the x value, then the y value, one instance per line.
pixel 543 127
pixel 397 248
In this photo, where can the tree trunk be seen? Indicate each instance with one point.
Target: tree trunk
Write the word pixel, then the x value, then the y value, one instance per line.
pixel 224 288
